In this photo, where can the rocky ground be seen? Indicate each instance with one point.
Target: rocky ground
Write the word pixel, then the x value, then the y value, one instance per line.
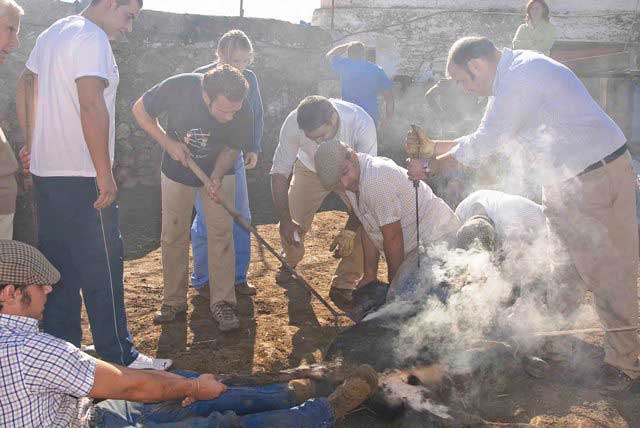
pixel 284 327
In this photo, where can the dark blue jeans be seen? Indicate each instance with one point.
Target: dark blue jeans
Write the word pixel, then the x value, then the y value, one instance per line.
pixel 84 244
pixel 246 407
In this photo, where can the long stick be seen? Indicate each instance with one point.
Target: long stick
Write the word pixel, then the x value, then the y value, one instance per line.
pixel 249 227
pixel 582 331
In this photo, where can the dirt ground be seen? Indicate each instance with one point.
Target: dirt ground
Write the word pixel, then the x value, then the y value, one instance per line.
pixel 285 327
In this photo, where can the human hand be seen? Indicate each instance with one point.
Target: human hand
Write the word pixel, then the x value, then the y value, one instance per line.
pixel 250 160
pixel 107 190
pixel 25 159
pixel 289 230
pixel 179 152
pixel 342 244
pixel 213 189
pixel 416 170
pixel 205 387
pixel 418 144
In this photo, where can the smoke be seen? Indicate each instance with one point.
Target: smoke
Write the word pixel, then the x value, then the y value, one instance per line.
pixel 461 298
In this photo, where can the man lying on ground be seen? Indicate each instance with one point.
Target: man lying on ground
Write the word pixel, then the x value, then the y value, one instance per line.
pixel 46 382
pixel 383 200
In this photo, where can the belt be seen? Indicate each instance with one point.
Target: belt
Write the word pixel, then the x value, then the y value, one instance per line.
pixel 607 159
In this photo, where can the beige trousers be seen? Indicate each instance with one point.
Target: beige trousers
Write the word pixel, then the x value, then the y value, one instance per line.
pixel 177 209
pixel 306 194
pixel 6 226
pixel 593 238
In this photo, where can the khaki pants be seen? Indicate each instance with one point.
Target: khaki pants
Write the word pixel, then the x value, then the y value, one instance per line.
pixel 305 197
pixel 177 208
pixel 593 217
pixel 6 226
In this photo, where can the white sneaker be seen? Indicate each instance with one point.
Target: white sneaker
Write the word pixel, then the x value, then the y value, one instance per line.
pixel 145 362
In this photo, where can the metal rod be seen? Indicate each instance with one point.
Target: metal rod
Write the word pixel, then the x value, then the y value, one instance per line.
pixel 249 227
pixel 583 331
pixel 241 9
pixel 415 185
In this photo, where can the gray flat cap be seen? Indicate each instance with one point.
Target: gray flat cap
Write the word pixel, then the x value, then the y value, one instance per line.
pixel 329 160
pixel 22 264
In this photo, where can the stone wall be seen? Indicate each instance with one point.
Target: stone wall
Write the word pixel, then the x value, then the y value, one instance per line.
pixel 408 35
pixel 288 62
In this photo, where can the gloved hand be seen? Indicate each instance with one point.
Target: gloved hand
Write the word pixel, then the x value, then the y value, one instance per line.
pixel 342 244
pixel 418 145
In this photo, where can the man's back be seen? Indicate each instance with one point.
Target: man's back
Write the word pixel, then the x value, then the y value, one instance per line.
pixel 361 82
pixel 72 48
pixel 513 216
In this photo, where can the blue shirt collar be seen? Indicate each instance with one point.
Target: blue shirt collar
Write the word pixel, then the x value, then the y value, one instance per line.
pixel 29 325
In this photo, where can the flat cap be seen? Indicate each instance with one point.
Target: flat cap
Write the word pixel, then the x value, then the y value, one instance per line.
pixel 329 160
pixel 22 264
pixel 477 228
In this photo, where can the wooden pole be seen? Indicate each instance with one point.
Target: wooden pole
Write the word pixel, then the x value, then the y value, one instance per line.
pixel 249 227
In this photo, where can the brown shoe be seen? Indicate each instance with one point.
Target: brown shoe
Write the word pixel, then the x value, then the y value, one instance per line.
pixel 353 391
pixel 167 314
pixel 341 295
pixel 245 289
pixel 204 291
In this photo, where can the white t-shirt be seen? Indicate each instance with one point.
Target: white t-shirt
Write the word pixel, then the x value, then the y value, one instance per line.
pixel 514 217
pixel 357 130
pixel 71 48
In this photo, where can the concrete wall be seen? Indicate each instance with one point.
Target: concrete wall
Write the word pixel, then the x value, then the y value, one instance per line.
pixel 289 63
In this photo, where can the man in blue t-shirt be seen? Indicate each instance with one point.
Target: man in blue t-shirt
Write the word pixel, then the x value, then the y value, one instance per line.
pixel 362 80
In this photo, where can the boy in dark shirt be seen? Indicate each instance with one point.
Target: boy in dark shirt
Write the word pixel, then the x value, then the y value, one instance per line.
pixel 208 121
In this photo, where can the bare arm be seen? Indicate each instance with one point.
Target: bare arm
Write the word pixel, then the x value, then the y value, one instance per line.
pixel 178 151
pixel 21 101
pixel 146 386
pixel 371 257
pixel 94 118
pixel 224 163
pixel 338 50
pixel 393 244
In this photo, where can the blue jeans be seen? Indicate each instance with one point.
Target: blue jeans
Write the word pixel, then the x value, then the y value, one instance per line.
pixel 247 407
pixel 241 237
pixel 85 245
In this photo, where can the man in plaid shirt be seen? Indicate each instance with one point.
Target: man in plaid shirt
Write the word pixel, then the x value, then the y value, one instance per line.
pixel 46 382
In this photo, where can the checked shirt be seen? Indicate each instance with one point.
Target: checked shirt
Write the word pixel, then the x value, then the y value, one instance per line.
pixel 42 378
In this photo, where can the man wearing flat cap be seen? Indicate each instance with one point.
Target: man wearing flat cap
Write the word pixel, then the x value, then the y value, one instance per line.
pixel 317 119
pixel 383 200
pixel 46 381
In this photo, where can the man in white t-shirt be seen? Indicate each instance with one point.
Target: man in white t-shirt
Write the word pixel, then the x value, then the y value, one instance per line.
pixel 317 119
pixel 75 80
